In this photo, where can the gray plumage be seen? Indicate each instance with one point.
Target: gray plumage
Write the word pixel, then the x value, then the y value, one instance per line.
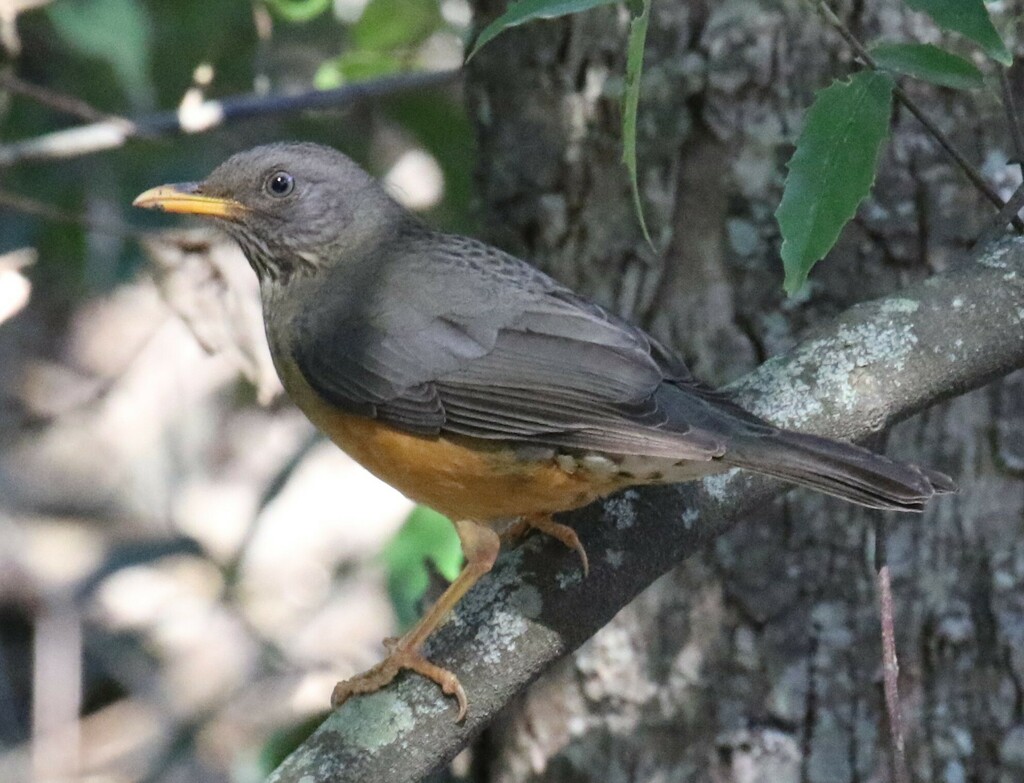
pixel 442 335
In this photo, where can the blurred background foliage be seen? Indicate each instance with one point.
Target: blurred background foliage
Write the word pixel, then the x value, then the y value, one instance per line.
pixel 214 571
pixel 424 543
pixel 130 57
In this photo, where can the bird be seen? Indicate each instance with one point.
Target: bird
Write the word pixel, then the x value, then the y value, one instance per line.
pixel 476 384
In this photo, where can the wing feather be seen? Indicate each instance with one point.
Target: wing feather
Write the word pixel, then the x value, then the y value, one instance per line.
pixel 496 350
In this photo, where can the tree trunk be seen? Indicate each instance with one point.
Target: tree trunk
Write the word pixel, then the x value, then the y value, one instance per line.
pixel 759 659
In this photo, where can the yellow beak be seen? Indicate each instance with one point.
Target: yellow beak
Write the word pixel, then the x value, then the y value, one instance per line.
pixel 185 198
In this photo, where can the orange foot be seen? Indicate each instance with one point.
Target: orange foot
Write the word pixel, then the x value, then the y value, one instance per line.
pixel 546 525
pixel 399 657
pixel 480 544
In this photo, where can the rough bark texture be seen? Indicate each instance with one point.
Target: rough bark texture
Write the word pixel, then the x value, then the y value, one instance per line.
pixel 534 607
pixel 760 659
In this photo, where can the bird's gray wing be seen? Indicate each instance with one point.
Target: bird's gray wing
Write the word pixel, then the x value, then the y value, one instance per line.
pixel 511 356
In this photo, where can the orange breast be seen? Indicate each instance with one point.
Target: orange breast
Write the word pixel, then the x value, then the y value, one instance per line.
pixel 463 478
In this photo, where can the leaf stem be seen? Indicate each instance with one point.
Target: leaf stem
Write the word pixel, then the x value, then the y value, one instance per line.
pixel 943 140
pixel 630 106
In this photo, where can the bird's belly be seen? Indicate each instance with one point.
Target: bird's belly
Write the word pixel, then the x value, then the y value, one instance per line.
pixel 464 478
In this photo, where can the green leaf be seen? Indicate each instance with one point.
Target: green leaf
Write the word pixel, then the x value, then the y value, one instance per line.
pixel 930 63
pixel 355 65
pixel 393 24
pixel 969 18
pixel 832 169
pixel 630 103
pixel 425 534
pixel 115 31
pixel 527 11
pixel 299 10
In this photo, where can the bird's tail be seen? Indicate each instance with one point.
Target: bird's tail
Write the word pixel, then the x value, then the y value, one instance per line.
pixel 841 469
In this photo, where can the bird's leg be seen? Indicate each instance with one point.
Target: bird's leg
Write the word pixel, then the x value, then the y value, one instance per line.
pixel 546 525
pixel 480 546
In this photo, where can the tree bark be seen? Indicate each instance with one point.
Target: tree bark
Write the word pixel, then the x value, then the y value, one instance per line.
pixel 535 607
pixel 759 660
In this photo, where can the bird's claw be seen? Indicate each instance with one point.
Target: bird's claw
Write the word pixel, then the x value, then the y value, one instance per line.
pixel 383 673
pixel 546 525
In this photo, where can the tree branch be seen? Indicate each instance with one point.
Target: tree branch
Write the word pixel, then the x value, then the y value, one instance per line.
pixel 207 115
pixel 878 363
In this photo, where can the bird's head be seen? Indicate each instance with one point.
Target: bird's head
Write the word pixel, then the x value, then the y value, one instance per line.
pixel 293 207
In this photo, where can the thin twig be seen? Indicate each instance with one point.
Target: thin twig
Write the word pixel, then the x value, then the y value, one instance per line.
pixel 31 206
pixel 68 104
pixel 975 176
pixel 972 173
pixel 204 116
pixel 1015 203
pixel 890 663
pixel 1005 215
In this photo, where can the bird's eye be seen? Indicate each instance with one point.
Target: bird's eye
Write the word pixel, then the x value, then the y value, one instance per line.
pixel 280 183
